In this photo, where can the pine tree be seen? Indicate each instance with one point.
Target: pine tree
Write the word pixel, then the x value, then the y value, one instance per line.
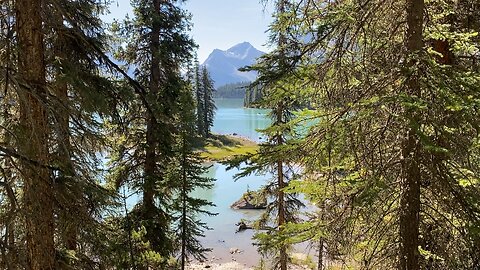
pixel 273 156
pixel 80 93
pixel 74 92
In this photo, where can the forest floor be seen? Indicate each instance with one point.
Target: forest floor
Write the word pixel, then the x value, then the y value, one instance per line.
pixel 223 147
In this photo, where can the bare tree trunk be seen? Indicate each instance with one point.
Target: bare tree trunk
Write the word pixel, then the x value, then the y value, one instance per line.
pixel 38 189
pixel 410 202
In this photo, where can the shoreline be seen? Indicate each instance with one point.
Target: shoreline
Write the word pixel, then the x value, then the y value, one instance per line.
pixel 235 265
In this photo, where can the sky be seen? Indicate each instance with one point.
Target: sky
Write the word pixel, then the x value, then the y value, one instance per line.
pixel 219 24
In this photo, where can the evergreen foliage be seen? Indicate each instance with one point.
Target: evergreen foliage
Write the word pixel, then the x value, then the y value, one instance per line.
pixel 204 93
pixel 273 155
pixel 394 86
pixel 158 47
pixel 231 90
pixel 187 171
pixel 390 156
pixel 208 102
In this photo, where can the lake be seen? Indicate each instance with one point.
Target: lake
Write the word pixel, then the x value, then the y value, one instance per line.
pixel 232 118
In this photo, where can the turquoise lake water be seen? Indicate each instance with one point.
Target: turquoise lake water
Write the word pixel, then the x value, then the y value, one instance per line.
pixel 232 118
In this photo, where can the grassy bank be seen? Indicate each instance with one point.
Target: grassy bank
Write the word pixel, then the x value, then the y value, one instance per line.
pixel 223 147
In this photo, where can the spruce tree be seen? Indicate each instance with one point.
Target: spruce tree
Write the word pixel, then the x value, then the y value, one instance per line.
pixel 209 108
pixel 273 156
pixel 158 47
pixel 389 157
pixel 38 193
pixel 80 96
pixel 200 99
pixel 187 171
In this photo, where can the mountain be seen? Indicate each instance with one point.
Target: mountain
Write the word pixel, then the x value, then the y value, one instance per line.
pixel 223 65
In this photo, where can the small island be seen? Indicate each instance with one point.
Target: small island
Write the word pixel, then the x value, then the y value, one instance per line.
pixel 251 200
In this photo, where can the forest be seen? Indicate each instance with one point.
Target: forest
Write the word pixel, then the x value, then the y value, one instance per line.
pixel 387 152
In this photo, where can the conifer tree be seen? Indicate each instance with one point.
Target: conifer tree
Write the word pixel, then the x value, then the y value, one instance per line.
pixel 187 172
pixel 205 105
pixel 273 157
pixel 80 96
pixel 158 47
pixel 199 98
pixel 209 108
pixel 33 136
pixel 393 98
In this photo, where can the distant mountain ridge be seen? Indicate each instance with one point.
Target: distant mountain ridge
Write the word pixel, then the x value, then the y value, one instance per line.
pixel 223 65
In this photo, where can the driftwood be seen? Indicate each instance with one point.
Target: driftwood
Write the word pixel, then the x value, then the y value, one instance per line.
pixel 242 227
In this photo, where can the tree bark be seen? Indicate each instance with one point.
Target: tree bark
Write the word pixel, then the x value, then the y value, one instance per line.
pixel 320 254
pixel 33 140
pixel 151 147
pixel 281 7
pixel 410 201
pixel 184 203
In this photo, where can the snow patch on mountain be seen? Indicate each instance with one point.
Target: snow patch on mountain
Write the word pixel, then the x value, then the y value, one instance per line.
pixel 223 65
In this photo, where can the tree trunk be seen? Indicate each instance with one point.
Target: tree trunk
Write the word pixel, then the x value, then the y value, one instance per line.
pixel 320 254
pixel 410 201
pixel 38 189
pixel 184 204
pixel 281 213
pixel 151 147
pixel 281 7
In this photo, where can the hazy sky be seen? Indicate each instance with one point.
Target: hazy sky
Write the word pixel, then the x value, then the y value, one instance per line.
pixel 219 23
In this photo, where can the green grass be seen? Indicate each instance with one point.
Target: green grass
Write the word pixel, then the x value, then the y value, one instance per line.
pixel 224 147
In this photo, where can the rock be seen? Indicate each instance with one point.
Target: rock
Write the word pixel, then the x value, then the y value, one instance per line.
pixel 250 200
pixel 234 250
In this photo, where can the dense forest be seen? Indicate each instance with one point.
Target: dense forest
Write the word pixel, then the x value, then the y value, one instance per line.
pixel 92 116
pixel 231 90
